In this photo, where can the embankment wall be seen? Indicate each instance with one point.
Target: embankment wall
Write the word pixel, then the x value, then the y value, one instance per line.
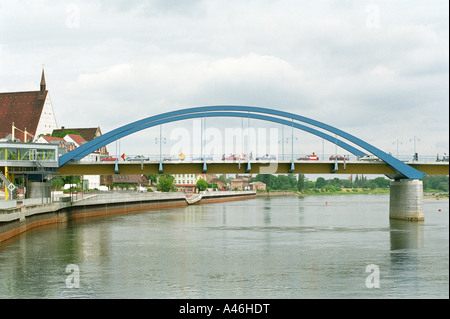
pixel 17 220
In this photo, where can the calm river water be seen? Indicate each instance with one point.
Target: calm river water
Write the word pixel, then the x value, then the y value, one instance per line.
pixel 289 247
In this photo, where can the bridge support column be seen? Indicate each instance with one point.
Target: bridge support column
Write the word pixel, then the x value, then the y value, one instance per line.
pixel 38 190
pixel 406 200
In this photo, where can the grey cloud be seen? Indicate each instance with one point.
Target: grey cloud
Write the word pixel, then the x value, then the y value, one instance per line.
pixel 316 58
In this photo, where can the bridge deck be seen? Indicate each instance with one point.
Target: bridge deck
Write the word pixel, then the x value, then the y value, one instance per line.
pixel 257 167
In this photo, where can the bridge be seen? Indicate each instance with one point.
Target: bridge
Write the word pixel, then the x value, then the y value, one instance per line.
pixel 243 166
pixel 289 119
pixel 383 163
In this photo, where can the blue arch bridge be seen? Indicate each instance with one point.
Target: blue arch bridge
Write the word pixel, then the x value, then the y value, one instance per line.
pixel 406 199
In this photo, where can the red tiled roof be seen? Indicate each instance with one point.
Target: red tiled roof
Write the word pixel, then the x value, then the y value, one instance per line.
pixel 51 139
pixel 61 142
pixel 23 109
pixel 77 138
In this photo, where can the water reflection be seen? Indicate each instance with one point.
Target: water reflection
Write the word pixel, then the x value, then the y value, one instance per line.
pixel 406 234
pixel 407 239
pixel 263 248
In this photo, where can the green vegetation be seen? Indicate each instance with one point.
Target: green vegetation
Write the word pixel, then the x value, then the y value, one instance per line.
pixel 435 184
pixel 438 185
pixel 278 182
pixel 59 182
pixel 201 184
pixel 152 179
pixel 64 133
pixel 353 185
pixel 290 182
pixel 165 183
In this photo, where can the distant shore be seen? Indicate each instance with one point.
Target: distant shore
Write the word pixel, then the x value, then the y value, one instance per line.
pixel 346 191
pixel 435 196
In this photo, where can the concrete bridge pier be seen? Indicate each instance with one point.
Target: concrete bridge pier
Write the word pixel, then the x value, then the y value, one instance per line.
pixel 406 200
pixel 38 190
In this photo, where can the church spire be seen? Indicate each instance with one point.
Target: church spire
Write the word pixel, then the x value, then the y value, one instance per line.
pixel 43 84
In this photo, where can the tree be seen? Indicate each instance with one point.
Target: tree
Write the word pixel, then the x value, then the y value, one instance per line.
pixel 292 181
pixel 282 182
pixel 381 182
pixel 268 179
pixel 213 185
pixel 320 182
pixel 152 178
pixel 57 183
pixel 336 182
pixel 201 184
pixel 165 183
pixel 301 182
pixel 63 133
pixel 436 182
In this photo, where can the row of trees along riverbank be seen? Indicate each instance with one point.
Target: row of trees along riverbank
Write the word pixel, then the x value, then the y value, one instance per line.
pixel 292 182
pixel 353 184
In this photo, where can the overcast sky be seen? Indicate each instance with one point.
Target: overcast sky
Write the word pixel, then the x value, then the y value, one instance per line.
pixel 376 69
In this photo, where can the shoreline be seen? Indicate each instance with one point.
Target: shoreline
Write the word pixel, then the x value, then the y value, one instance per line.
pixel 17 220
pixel 20 219
pixel 426 195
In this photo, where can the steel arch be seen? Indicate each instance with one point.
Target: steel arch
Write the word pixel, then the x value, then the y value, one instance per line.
pixel 111 139
pixel 403 170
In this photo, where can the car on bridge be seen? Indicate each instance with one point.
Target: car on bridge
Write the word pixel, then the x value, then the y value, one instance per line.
pixel 369 158
pixel 231 157
pixel 175 158
pixel 312 157
pixel 109 159
pixel 266 158
pixel 339 157
pixel 137 158
pixel 200 158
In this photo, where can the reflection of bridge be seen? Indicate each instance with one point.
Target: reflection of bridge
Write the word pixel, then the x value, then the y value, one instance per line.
pixel 407 176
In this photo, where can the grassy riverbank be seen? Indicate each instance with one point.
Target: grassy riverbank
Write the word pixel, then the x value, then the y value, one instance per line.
pixel 344 191
pixel 437 196
pixel 348 191
pixel 325 191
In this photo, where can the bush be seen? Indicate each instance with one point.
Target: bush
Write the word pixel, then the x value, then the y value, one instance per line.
pixel 201 184
pixel 165 183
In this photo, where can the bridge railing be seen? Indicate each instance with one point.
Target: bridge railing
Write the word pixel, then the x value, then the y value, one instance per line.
pixel 230 157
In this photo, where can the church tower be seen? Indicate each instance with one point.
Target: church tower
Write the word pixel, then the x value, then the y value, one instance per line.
pixel 47 122
pixel 43 84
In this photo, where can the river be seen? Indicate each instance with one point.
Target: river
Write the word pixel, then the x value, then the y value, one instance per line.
pixel 287 247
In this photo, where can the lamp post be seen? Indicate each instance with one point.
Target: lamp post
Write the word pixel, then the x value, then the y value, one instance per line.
pixel 416 156
pixel 398 142
pixel 161 141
